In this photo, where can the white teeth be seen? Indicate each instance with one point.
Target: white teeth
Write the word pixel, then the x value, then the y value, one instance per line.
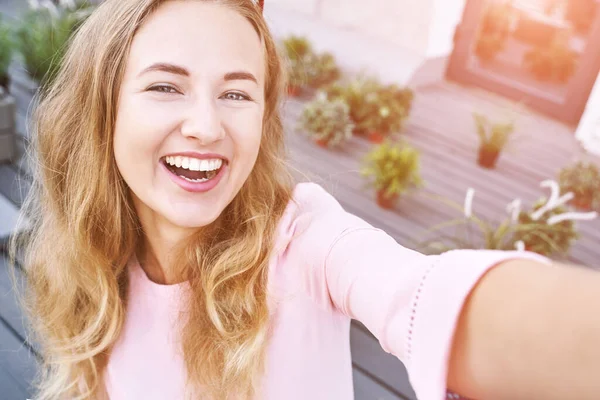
pixel 194 180
pixel 194 164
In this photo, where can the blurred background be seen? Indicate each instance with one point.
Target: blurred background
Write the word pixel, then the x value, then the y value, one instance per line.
pixel 447 123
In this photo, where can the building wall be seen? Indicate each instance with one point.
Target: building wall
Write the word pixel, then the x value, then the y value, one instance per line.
pixel 588 130
pixel 447 14
pixel 403 23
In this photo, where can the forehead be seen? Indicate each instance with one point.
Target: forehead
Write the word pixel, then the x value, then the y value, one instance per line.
pixel 206 38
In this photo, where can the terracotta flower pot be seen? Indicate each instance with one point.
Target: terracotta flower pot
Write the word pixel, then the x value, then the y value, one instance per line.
pixel 583 203
pixel 322 142
pixel 293 91
pixel 487 158
pixel 386 202
pixel 359 132
pixel 376 137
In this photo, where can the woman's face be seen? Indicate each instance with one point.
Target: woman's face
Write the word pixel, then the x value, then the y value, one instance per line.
pixel 190 111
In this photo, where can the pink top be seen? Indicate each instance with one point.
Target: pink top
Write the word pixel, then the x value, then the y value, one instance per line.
pixel 329 266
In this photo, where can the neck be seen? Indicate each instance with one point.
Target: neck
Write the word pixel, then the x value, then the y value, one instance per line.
pixel 158 249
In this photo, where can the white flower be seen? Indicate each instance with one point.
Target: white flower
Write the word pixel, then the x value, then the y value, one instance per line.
pixel 469 202
pixel 520 246
pixel 555 219
pixel 514 208
pixel 554 200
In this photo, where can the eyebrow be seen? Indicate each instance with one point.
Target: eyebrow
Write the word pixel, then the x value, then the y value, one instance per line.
pixel 179 70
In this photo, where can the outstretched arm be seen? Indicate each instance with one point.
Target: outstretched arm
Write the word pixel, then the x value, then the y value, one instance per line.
pixel 529 330
pixel 485 324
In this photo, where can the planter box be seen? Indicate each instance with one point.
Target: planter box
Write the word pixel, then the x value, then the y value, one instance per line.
pixel 7 128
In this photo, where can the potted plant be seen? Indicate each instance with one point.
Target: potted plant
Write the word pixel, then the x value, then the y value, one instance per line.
pixel 583 179
pixel 376 110
pixel 298 52
pixel 361 96
pixel 44 33
pixel 322 70
pixel 392 169
pixel 6 52
pixel 541 237
pixel 306 68
pixel 493 138
pixel 327 121
pixel 394 105
pixel 547 228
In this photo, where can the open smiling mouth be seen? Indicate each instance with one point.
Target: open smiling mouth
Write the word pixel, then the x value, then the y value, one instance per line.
pixel 193 169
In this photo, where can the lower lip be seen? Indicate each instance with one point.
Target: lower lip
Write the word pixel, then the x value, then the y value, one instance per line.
pixel 196 187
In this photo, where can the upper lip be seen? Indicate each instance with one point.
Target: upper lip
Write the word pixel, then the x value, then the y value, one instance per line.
pixel 195 154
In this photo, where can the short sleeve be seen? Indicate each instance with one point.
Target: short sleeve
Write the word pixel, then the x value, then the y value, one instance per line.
pixel 411 302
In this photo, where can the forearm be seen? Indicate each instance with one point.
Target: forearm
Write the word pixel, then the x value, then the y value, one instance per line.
pixel 529 331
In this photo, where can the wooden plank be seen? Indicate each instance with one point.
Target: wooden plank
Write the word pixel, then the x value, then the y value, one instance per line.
pixel 13 186
pixel 17 364
pixel 10 310
pixel 365 388
pixel 368 355
pixel 21 163
pixel 8 219
pixel 10 387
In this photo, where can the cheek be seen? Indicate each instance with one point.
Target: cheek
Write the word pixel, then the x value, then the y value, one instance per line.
pixel 137 135
pixel 247 141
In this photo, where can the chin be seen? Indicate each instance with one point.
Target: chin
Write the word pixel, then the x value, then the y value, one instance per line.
pixel 194 221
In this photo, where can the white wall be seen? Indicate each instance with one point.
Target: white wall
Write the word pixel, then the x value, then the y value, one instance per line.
pixel 447 14
pixel 402 23
pixel 588 130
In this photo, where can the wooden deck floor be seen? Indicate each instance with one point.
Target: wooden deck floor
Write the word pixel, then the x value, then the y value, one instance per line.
pixel 442 128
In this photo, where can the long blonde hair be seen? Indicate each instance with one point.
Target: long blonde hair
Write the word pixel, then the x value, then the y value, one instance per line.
pixel 82 227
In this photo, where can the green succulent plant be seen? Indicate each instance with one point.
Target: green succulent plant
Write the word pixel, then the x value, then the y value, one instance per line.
pixel 540 237
pixel 373 106
pixel 473 232
pixel 306 68
pixel 322 70
pixel 493 136
pixel 327 121
pixel 583 179
pixel 393 168
pixel 297 47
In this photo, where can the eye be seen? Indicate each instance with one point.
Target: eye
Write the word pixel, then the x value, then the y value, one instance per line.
pixel 236 96
pixel 163 89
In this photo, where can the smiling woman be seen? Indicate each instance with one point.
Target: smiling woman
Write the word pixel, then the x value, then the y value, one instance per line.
pixel 171 256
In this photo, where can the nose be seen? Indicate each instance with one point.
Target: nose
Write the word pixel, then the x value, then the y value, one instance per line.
pixel 202 122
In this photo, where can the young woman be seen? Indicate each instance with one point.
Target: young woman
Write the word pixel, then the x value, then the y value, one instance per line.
pixel 172 257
